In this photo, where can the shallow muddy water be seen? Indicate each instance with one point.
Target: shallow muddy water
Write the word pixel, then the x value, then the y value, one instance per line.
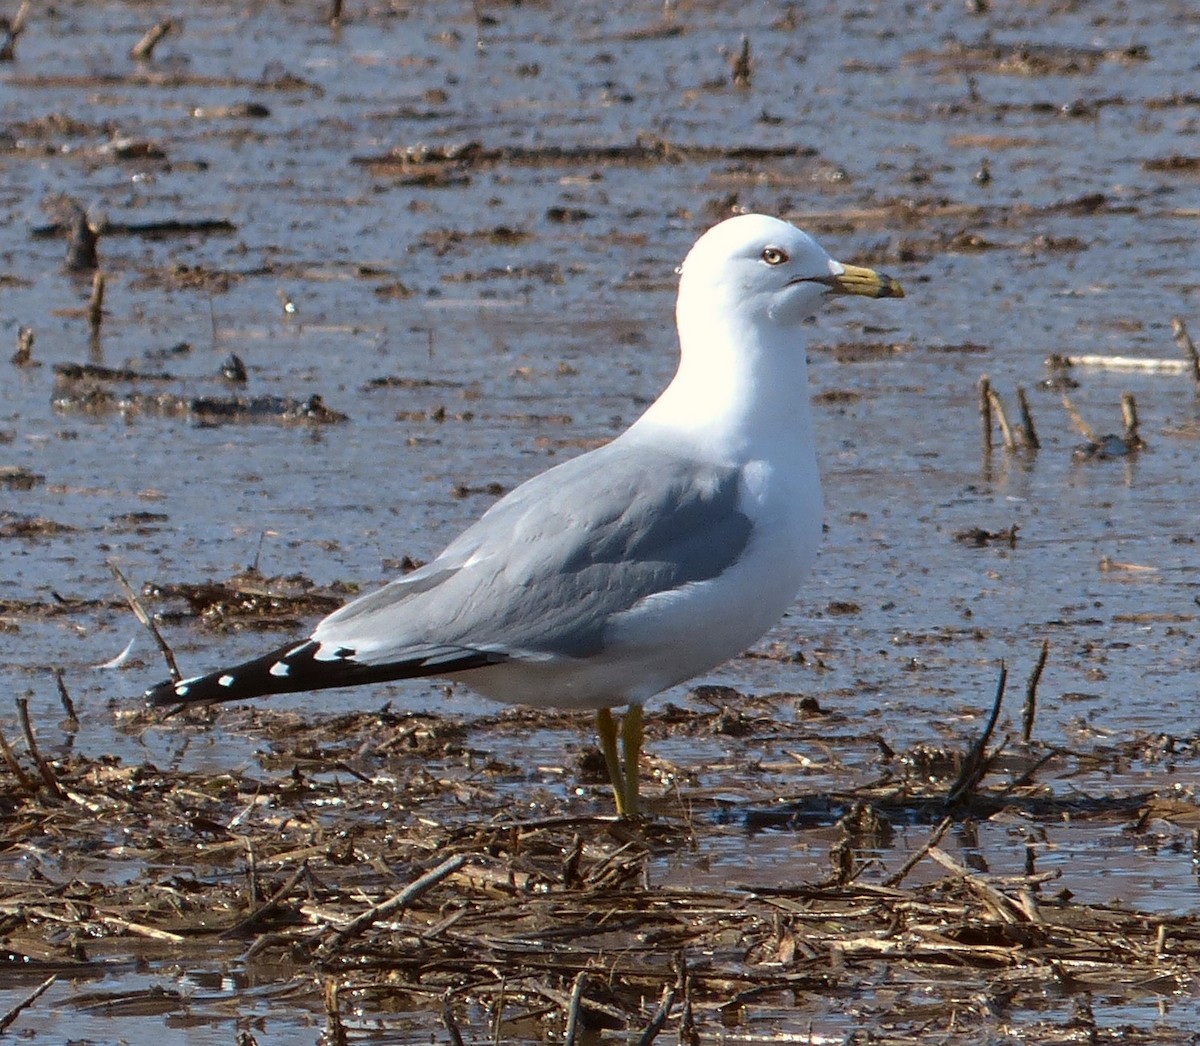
pixel 458 226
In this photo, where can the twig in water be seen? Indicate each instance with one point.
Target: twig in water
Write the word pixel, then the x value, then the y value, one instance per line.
pixel 11 29
pixel 252 887
pixel 1184 340
pixel 34 754
pixel 1028 432
pixel 1129 412
pixel 96 302
pixel 935 837
pixel 82 239
pixel 499 1012
pixel 262 536
pixel 1030 708
pixel 742 68
pixel 687 1035
pixel 573 1009
pixel 143 50
pixel 985 411
pixel 1027 776
pixel 26 1002
pixel 27 783
pixel 335 13
pixel 139 612
pixel 335 1031
pixel 975 765
pixel 841 864
pixel 448 1020
pixel 65 697
pixel 477 11
pixel 23 357
pixel 660 1017
pixel 1000 904
pixel 1085 430
pixel 1006 430
pixel 393 904
pixel 269 906
pixel 212 320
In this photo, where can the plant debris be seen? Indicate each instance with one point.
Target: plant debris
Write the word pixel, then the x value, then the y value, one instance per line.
pixel 269 602
pixel 383 851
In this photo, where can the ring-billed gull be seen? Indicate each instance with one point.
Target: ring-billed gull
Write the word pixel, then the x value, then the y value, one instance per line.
pixel 635 566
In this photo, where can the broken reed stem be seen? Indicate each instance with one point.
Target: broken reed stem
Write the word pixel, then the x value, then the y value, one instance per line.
pixel 394 904
pixel 659 1019
pixel 23 357
pixel 335 13
pixel 34 753
pixel 1130 415
pixel 1084 428
pixel 140 613
pixel 26 1002
pixel 269 906
pixel 1006 430
pixel 996 901
pixel 935 837
pixel 335 1031
pixel 498 1011
pixel 687 1034
pixel 17 26
pixel 12 30
pixel 65 697
pixel 1030 708
pixel 252 888
pixel 1184 340
pixel 1026 777
pixel 28 784
pixel 151 933
pixel 976 763
pixel 143 50
pixel 1028 431
pixel 573 1008
pixel 742 67
pixel 985 411
pixel 96 302
pixel 448 1020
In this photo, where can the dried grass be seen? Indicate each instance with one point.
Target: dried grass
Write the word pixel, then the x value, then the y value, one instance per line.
pixel 353 856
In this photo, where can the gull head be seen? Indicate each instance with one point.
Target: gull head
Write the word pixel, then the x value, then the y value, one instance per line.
pixel 758 269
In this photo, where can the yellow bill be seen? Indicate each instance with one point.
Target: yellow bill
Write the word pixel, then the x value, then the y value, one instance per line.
pixel 867 283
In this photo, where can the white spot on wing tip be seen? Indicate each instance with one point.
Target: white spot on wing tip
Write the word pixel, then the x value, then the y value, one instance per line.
pixel 279 669
pixel 225 681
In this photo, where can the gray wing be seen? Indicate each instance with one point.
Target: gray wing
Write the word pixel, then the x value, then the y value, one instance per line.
pixel 544 570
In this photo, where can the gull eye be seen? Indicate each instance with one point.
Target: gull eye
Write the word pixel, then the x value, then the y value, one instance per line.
pixel 774 255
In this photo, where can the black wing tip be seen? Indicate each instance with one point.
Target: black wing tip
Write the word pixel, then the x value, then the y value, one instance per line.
pixel 296 669
pixel 162 695
pixel 268 674
pixel 172 695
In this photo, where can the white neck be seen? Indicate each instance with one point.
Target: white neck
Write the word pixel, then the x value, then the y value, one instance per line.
pixel 740 387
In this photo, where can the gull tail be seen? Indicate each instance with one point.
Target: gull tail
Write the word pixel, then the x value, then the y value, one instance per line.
pixel 297 668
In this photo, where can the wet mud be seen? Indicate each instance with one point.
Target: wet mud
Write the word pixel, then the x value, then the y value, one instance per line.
pixel 292 292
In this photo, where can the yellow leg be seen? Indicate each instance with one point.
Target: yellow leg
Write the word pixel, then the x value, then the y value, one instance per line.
pixel 606 727
pixel 631 751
